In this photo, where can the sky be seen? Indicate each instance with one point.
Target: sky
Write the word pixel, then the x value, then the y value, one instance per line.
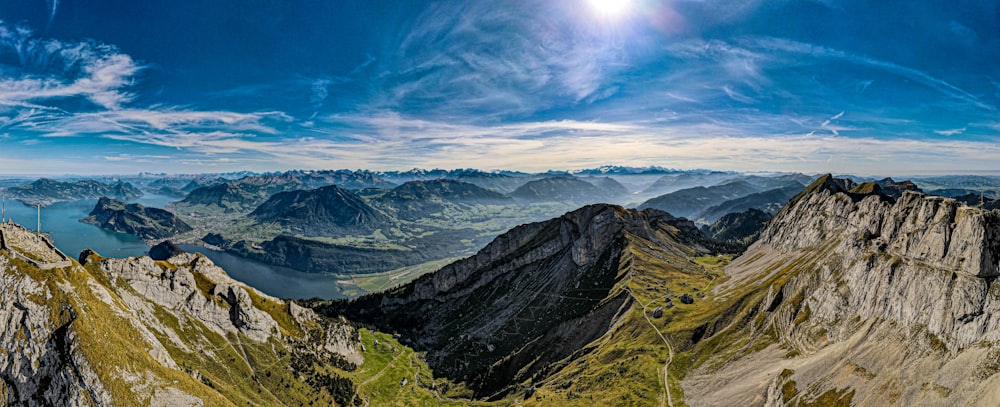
pixel 180 86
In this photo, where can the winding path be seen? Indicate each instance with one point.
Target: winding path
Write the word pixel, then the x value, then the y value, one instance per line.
pixel 670 359
pixel 375 376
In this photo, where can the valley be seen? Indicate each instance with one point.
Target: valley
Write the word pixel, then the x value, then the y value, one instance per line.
pixel 297 220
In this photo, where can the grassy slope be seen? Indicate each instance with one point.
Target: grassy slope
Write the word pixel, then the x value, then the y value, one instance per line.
pixel 625 366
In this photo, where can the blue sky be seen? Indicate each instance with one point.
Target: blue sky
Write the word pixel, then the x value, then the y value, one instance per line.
pixel 871 87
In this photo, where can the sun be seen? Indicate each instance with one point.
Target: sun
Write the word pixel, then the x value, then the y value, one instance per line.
pixel 610 8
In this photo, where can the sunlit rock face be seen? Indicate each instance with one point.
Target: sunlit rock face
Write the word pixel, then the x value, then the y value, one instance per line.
pixel 867 292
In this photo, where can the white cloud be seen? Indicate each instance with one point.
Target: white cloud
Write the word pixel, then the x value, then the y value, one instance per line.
pixel 50 70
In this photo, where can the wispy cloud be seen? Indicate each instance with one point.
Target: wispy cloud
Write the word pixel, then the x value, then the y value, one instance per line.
pixel 51 70
pixel 132 158
pixel 951 132
pixel 739 97
pixel 817 51
pixel 834 128
pixel 457 62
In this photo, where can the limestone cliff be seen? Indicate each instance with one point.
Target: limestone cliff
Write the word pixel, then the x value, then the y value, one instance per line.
pixel 857 297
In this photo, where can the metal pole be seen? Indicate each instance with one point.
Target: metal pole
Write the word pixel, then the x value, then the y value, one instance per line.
pixel 39 219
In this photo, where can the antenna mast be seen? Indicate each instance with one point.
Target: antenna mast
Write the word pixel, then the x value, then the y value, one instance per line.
pixel 39 219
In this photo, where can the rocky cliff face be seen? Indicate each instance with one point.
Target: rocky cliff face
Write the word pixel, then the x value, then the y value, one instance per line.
pixel 532 297
pixel 176 332
pixel 935 231
pixel 147 223
pixel 875 301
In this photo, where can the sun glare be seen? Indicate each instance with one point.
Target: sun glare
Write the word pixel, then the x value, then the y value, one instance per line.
pixel 610 8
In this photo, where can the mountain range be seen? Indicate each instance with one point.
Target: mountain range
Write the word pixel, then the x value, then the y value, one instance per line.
pixel 568 189
pixel 851 295
pixel 691 201
pixel 420 199
pixel 329 210
pixel 46 191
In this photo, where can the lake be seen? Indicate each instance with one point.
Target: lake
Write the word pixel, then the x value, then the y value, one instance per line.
pixel 62 221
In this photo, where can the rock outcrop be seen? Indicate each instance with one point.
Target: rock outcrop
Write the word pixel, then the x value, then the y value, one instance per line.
pixel 161 251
